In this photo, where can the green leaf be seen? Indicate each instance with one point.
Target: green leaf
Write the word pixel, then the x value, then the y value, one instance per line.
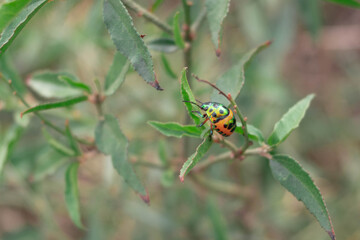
pixel 18 23
pixel 8 10
pixel 216 11
pixel 177 32
pixel 167 67
pixel 49 85
pixel 128 41
pixel 156 4
pixel 72 194
pixel 165 45
pixel 47 164
pixel 116 74
pixel 111 141
pixel 233 80
pixel 173 129
pixel 293 177
pixel 187 95
pixel 349 3
pixel 73 144
pixel 254 133
pixel 75 84
pixel 8 142
pixel 64 103
pixel 217 220
pixel 289 121
pixel 58 146
pixel 195 157
pixel 10 73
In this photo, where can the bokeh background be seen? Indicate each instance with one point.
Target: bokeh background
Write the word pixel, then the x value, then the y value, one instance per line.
pixel 315 49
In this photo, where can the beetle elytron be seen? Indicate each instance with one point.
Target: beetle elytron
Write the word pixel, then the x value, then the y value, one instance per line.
pixel 221 118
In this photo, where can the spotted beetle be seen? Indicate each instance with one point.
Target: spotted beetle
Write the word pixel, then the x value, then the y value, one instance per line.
pixel 221 118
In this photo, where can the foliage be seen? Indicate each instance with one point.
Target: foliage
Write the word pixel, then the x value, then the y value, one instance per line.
pixel 80 151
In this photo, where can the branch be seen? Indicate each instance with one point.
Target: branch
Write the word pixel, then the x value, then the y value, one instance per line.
pixel 148 15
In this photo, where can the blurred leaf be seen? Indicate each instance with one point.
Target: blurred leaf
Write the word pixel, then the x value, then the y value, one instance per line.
pixel 177 32
pixel 173 129
pixel 254 133
pixel 48 85
pixel 128 41
pixel 116 74
pixel 218 223
pixel 110 140
pixel 163 153
pixel 47 164
pixel 73 144
pixel 187 95
pixel 311 14
pixel 18 23
pixel 10 74
pixel 166 45
pixel 8 10
pixel 234 78
pixel 167 67
pixel 289 121
pixel 64 103
pixel 216 11
pixel 293 177
pixel 58 146
pixel 195 157
pixel 349 3
pixel 156 4
pixel 168 178
pixel 72 194
pixel 8 142
pixel 75 84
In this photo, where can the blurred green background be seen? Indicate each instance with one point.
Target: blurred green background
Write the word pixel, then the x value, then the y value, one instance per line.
pixel 315 49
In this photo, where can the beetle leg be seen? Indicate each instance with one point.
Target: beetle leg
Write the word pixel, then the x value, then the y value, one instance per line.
pixel 201 124
pixel 211 130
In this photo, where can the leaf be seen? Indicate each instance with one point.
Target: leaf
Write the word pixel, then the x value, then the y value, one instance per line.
pixel 167 67
pixel 75 84
pixel 72 194
pixel 165 45
pixel 349 3
pixel 47 164
pixel 163 153
pixel 49 85
pixel 116 74
pixel 7 143
pixel 216 11
pixel 18 23
pixel 156 4
pixel 293 177
pixel 187 95
pixel 289 121
pixel 177 32
pixel 128 41
pixel 58 146
pixel 64 103
pixel 111 141
pixel 8 10
pixel 217 220
pixel 195 157
pixel 233 79
pixel 9 73
pixel 73 144
pixel 173 129
pixel 254 133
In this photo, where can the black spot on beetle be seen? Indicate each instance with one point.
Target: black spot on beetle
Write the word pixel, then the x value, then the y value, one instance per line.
pixel 225 125
pixel 232 130
pixel 215 105
pixel 221 111
pixel 214 114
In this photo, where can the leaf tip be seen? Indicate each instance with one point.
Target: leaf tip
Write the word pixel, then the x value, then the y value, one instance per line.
pixel 181 178
pixel 332 234
pixel 145 198
pixel 218 52
pixel 156 84
pixel 267 43
pixel 21 114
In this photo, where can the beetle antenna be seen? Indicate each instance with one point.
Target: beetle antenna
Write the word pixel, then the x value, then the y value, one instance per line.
pixel 199 101
pixel 193 103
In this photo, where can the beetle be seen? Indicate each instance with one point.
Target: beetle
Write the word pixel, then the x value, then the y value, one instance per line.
pixel 222 119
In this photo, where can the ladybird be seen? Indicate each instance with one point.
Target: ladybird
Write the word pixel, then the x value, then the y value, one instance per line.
pixel 221 118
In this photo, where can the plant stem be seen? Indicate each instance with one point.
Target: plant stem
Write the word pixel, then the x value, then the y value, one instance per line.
pixel 147 15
